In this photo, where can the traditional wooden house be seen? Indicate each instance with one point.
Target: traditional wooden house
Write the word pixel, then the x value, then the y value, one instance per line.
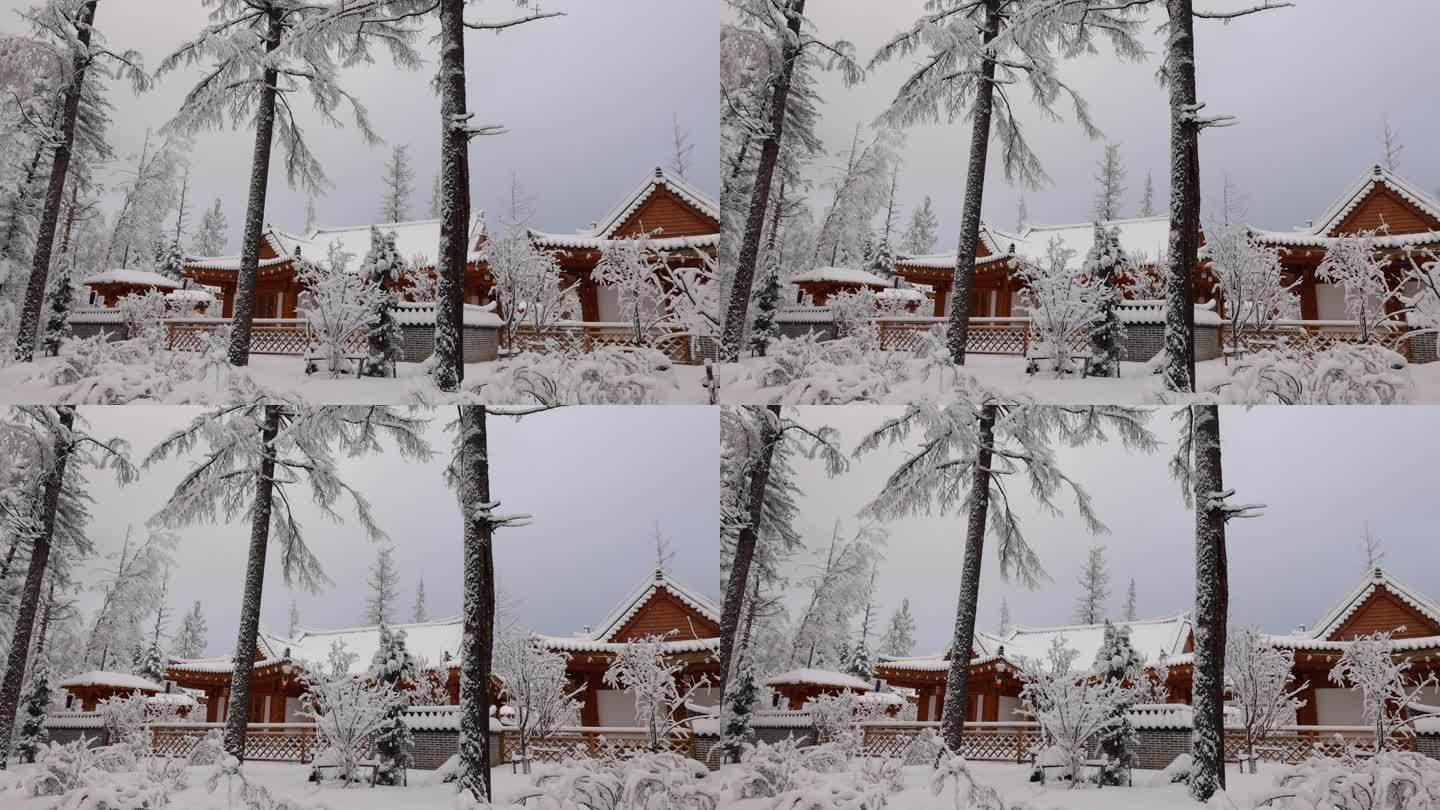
pixel 109 286
pixel 1165 643
pixel 800 686
pixel 661 606
pixel 690 622
pixel 1378 603
pixel 682 222
pixel 1406 217
pixel 820 283
pixel 87 689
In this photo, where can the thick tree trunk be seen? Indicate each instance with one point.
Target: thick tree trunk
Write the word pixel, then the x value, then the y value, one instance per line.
pixel 479 606
pixel 237 719
pixel 962 286
pixel 30 595
pixel 957 681
pixel 735 314
pixel 1212 598
pixel 745 547
pixel 59 167
pixel 1179 369
pixel 448 366
pixel 243 312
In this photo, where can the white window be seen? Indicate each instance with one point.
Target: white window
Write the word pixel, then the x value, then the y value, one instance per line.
pixel 1339 707
pixel 616 707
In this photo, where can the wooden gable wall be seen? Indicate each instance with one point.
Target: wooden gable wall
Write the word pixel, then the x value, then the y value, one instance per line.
pixel 1382 206
pixel 1383 610
pixel 665 211
pixel 664 612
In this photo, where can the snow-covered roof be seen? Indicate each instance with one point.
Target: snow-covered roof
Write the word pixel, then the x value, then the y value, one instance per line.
pixel 1378 175
pixel 621 213
pixel 217 664
pixel 1142 238
pixel 416 241
pixel 231 263
pixel 841 275
pixel 192 294
pixel 139 278
pixel 112 680
pixel 819 677
pixel 1149 637
pixel 1379 579
pixel 901 293
pixel 428 642
pixel 584 241
pixel 1380 242
pixel 630 605
pixel 945 261
pixel 919 663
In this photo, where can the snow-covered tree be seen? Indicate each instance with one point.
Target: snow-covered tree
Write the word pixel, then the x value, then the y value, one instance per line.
pixel 399 184
pixel 1063 301
pixel 838 589
pixel 384 587
pixel 859 185
pixel 920 236
pixel 57 322
pixel 1006 622
pixel 534 684
pixel 1109 184
pixel 636 271
pixel 1390 696
pixel 1373 549
pixel 246 446
pixel 383 268
pixel 130 582
pixel 148 192
pixel 258 56
pixel 311 217
pixel 33 733
pixel 968 55
pixel 348 711
pixel 1153 684
pixel 1147 197
pixel 899 638
pixel 1251 281
pixel 212 237
pixel 767 302
pixel 1094 583
pixel 653 675
pixel 1130 602
pixel 1355 264
pixel 393 668
pixel 1073 710
pixel 151 665
pixel 1258 675
pixel 294 625
pixel 1119 664
pixel 337 305
pixel 758 508
pixel 681 149
pixel 194 635
pixel 420 612
pixel 1197 467
pixel 739 704
pixel 969 453
pixel 530 291
pixel 1104 266
pixel 1390 146
pixel 54 449
pixel 861 663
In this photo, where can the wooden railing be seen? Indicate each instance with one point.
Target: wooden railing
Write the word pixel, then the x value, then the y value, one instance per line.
pixel 582 338
pixel 583 743
pixel 1314 336
pixel 1294 744
pixel 986 335
pixel 270 742
pixel 1000 742
pixel 267 335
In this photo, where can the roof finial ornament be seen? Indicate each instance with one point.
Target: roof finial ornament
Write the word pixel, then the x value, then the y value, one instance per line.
pixel 659 171
pixel 1379 572
pixel 1378 169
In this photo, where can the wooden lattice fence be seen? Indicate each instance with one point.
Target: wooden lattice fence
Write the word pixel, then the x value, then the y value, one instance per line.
pixel 1296 744
pixel 999 742
pixel 986 335
pixel 290 336
pixel 268 742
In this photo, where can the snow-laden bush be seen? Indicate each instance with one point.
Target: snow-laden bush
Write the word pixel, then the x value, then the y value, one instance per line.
pixel 239 792
pixel 838 720
pixel 337 304
pixel 610 375
pixel 1343 374
pixel 1391 780
pixel 1177 771
pixel 641 782
pixel 126 722
pixel 348 712
pixel 1064 303
pixel 144 317
pixel 953 773
pixel 101 372
pixel 63 767
pixel 774 769
pixel 854 313
pixel 1071 708
pixel 812 371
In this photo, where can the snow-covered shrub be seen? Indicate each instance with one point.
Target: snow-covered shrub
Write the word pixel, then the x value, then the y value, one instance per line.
pixel 393 668
pixel 774 769
pixel 816 372
pixel 854 313
pixel 1064 303
pixel 1104 267
pixel 347 712
pixel 1251 280
pixel 64 767
pixel 641 782
pixel 1343 374
pixel 101 372
pixel 337 305
pixel 250 796
pixel 534 683
pixel 1357 266
pixel 144 317
pixel 636 271
pixel 954 772
pixel 644 667
pixel 1072 708
pixel 57 321
pixel 1119 664
pixel 610 375
pixel 126 722
pixel 838 720
pixel 1391 698
pixel 1258 675
pixel 529 286
pixel 382 268
pixel 33 733
pixel 1390 780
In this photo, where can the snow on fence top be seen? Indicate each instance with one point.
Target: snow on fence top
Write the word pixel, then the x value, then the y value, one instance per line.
pixel 819 677
pixel 1148 311
pixel 140 278
pixel 114 680
pixel 97 315
pixel 1162 715
pixel 422 313
pixel 75 720
pixel 805 315
pixel 841 275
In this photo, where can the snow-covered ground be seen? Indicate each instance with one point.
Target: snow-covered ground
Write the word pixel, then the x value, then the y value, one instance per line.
pixel 1137 385
pixel 288 780
pixel 26 383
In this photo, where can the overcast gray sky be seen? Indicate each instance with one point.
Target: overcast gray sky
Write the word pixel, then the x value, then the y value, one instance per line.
pixel 1322 472
pixel 1309 86
pixel 596 479
pixel 588 99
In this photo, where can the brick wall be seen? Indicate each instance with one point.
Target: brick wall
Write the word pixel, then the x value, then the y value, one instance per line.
pixel 1207 342
pixel 1428 744
pixel 478 343
pixel 96 736
pixel 826 331
pixel 1157 747
pixel 1143 341
pixel 1422 348
pixel 112 331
